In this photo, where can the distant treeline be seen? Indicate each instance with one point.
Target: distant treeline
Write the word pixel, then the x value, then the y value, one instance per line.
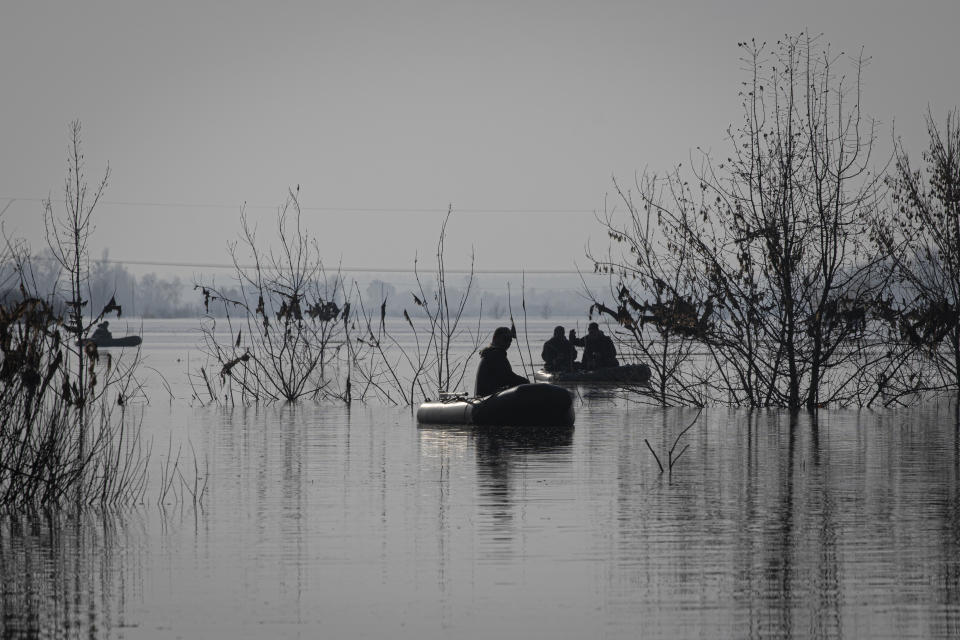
pixel 545 303
pixel 147 296
pixel 156 296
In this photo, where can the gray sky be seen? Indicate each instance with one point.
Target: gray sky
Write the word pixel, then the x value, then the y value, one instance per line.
pixel 404 108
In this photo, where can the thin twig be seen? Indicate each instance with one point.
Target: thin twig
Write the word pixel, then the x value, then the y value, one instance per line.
pixel 655 456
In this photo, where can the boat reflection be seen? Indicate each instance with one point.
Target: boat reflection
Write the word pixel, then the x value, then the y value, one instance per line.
pixel 504 459
pixel 504 440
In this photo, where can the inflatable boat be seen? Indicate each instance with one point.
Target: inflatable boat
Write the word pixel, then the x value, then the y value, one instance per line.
pixel 526 405
pixel 624 374
pixel 105 343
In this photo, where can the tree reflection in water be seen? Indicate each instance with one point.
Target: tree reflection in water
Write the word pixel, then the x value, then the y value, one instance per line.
pixel 66 571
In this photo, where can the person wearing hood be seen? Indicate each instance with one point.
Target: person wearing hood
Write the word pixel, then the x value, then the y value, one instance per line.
pixel 494 372
pixel 558 352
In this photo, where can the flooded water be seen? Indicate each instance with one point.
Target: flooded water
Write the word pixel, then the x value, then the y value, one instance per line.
pixel 320 521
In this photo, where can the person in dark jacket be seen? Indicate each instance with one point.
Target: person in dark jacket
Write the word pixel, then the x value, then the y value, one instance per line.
pixel 495 372
pixel 598 349
pixel 102 332
pixel 558 353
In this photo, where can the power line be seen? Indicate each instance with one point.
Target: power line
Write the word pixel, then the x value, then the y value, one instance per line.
pixel 191 205
pixel 343 269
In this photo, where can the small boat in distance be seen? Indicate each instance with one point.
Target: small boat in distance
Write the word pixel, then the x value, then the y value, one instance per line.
pixel 622 374
pixel 104 339
pixel 526 405
pixel 106 343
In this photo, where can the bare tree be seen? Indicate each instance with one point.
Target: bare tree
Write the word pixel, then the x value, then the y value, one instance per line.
pixel 654 282
pixel 766 261
pixel 923 238
pixel 405 373
pixel 444 316
pixel 66 427
pixel 67 237
pixel 283 318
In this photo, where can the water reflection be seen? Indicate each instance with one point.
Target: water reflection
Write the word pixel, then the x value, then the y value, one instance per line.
pixel 328 521
pixel 790 526
pixel 501 455
pixel 503 458
pixel 67 575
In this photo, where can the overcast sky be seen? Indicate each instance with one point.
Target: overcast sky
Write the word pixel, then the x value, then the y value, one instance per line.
pixel 385 113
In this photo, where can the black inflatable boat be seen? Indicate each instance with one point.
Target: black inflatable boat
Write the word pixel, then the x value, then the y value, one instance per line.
pixel 526 405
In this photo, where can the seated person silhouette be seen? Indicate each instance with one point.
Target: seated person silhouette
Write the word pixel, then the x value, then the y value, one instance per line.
pixel 598 349
pixel 102 332
pixel 558 352
pixel 494 372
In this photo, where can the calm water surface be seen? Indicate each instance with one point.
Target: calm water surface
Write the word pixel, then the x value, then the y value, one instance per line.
pixel 321 521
